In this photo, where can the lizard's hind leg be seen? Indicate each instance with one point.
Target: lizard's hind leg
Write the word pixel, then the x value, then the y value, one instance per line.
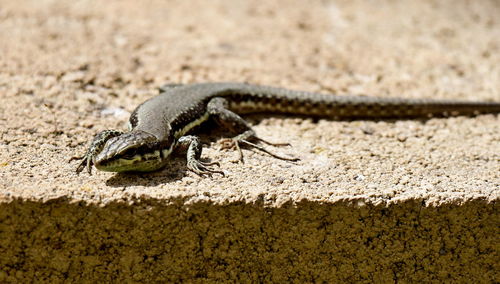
pixel 217 108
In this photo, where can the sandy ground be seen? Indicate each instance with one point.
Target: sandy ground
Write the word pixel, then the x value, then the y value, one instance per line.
pixel 69 69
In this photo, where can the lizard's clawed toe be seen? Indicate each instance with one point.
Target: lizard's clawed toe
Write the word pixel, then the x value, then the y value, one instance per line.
pixel 228 143
pixel 202 168
pixel 85 163
pixel 231 143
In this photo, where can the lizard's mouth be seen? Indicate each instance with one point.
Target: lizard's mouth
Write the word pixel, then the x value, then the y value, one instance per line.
pixel 138 163
pixel 129 163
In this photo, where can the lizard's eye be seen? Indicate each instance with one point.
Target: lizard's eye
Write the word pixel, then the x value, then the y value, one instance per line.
pixel 130 153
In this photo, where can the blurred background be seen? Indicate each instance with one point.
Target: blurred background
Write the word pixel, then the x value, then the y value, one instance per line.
pixel 384 48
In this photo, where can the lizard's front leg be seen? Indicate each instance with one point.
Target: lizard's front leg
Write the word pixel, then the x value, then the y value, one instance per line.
pixel 94 148
pixel 194 149
pixel 217 108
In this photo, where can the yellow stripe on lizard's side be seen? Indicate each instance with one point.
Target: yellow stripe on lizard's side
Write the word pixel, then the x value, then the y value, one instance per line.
pixel 181 132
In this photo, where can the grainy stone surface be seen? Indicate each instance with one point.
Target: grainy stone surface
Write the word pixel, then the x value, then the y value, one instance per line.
pixel 240 242
pixel 369 200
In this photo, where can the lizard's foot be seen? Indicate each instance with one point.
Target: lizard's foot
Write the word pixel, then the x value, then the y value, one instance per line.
pixel 234 143
pixel 95 147
pixel 193 157
pixel 86 162
pixel 202 168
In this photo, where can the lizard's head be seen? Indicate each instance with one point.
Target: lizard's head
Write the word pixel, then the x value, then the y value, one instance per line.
pixel 135 151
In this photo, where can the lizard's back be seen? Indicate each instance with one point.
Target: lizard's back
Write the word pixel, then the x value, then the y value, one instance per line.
pixel 178 106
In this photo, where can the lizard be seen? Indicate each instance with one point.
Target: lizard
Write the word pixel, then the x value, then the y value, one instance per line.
pixel 162 124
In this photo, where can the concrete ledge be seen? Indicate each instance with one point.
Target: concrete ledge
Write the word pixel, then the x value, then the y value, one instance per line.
pixel 148 240
pixel 380 201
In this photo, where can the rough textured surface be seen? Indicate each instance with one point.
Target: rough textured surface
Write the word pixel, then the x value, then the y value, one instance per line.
pixel 239 242
pixel 368 200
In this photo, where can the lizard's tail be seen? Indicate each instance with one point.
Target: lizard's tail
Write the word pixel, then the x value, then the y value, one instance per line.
pixel 277 100
pixel 374 107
